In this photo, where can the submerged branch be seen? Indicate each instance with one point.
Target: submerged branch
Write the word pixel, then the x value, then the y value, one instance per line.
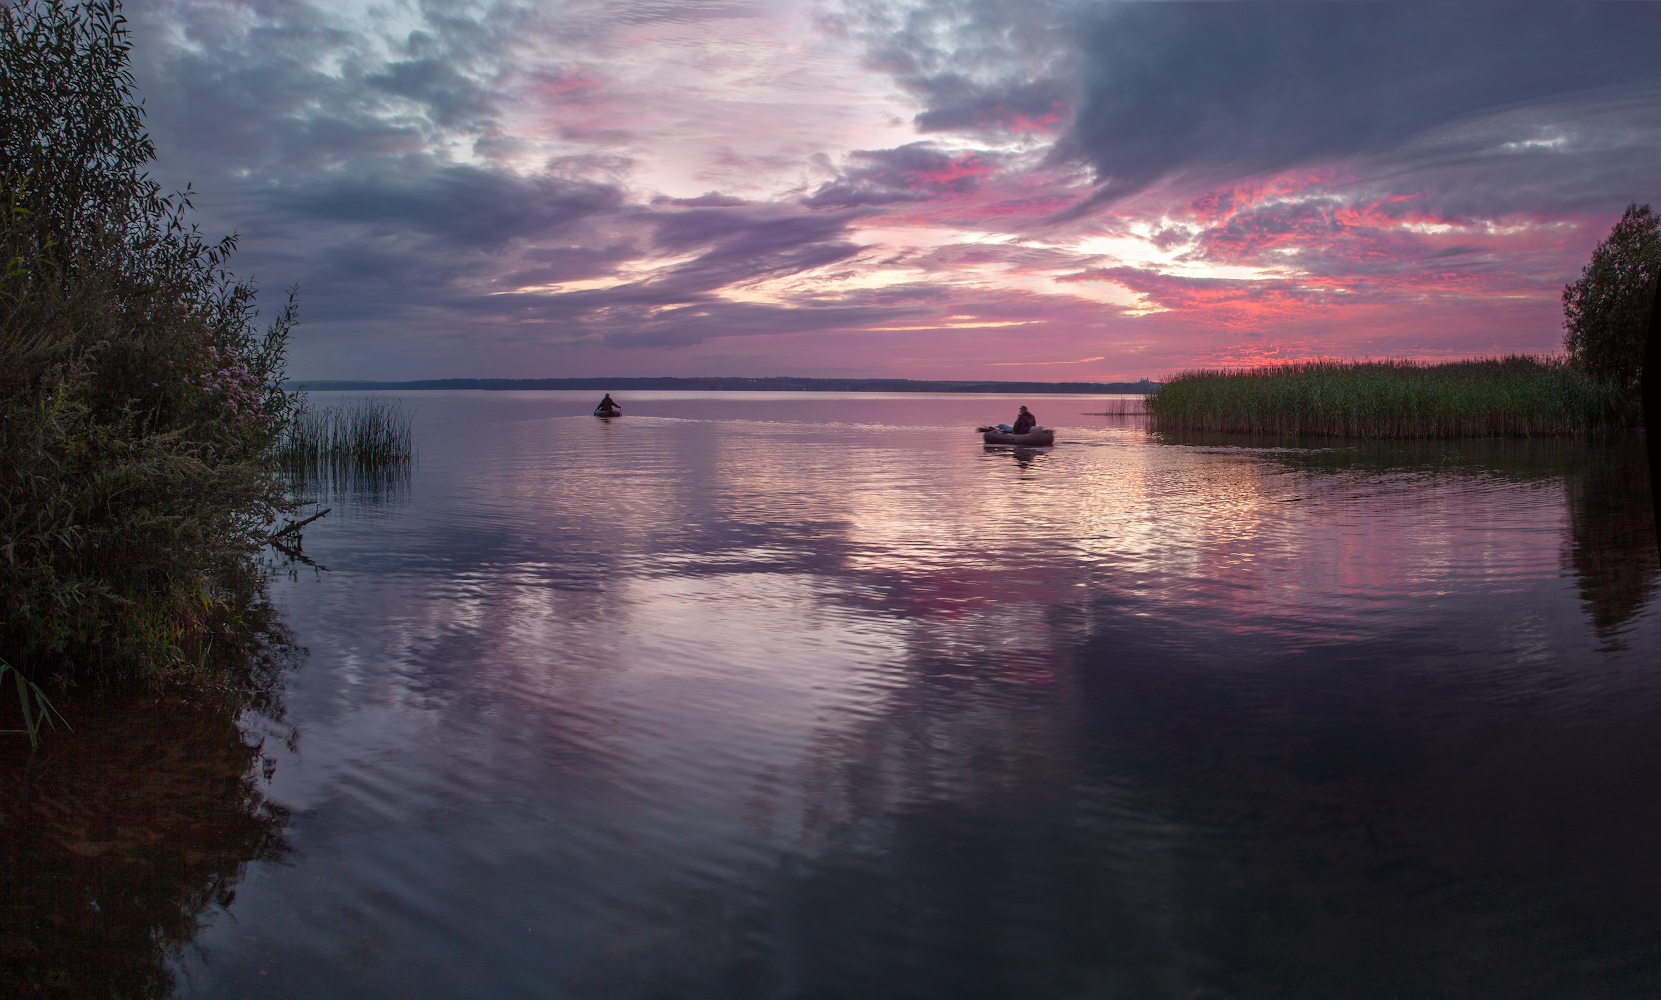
pixel 297 525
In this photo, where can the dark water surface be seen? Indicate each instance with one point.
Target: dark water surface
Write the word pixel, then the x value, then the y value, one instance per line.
pixel 809 695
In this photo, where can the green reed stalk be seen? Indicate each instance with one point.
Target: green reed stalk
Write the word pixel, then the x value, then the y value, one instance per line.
pixel 37 708
pixel 368 436
pixel 1518 396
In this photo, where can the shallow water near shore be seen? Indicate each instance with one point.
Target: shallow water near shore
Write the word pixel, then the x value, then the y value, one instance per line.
pixel 812 695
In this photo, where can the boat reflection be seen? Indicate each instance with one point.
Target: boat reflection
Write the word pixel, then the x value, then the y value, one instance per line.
pixel 1023 455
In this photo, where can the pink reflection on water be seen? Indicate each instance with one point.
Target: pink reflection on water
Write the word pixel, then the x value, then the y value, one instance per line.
pixel 647 685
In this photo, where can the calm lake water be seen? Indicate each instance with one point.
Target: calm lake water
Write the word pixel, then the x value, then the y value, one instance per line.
pixel 811 695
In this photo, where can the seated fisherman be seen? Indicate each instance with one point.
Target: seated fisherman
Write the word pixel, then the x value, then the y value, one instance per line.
pixel 1024 421
pixel 607 404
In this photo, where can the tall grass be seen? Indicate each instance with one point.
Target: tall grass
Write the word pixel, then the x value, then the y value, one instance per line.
pixel 368 436
pixel 1518 396
pixel 1122 408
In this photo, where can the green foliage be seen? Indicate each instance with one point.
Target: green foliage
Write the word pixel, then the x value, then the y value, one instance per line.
pixel 1606 312
pixel 1509 397
pixel 138 402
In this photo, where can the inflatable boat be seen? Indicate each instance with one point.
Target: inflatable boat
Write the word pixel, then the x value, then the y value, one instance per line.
pixel 608 411
pixel 1038 437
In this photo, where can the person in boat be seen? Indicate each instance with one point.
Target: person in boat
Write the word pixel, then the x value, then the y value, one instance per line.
pixel 607 404
pixel 1024 421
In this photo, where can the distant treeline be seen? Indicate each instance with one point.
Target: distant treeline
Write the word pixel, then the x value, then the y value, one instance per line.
pixel 780 384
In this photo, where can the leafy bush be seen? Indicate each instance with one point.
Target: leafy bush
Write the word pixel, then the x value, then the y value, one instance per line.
pixel 1606 312
pixel 138 401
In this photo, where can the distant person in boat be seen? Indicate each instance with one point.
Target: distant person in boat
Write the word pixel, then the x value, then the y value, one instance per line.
pixel 1024 421
pixel 607 404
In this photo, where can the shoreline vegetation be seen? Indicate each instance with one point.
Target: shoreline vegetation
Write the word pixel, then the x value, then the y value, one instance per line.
pixel 140 398
pixel 1517 396
pixel 149 451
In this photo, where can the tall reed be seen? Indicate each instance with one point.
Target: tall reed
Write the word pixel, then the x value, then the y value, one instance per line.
pixel 1518 396
pixel 1122 408
pixel 367 436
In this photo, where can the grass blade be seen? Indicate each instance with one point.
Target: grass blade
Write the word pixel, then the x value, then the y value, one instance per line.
pixel 41 706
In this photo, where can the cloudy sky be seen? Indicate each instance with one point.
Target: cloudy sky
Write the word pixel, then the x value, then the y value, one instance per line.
pixel 1041 189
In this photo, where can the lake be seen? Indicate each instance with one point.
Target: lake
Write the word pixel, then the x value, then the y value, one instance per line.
pixel 812 695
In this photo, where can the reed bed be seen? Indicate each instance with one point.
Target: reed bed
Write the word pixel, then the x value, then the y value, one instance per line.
pixel 1121 408
pixel 370 436
pixel 1518 396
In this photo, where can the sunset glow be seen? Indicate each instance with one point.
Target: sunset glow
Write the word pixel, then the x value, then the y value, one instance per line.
pixel 904 190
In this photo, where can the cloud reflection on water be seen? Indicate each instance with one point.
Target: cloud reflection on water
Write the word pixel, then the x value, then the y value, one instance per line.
pixel 799 705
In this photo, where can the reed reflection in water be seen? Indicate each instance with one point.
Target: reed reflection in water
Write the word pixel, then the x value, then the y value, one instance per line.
pixel 744 696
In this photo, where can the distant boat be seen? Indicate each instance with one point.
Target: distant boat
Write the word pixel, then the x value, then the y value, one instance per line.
pixel 1038 437
pixel 612 410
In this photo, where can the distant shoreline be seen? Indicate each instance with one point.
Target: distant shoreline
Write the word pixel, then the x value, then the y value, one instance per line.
pixel 777 384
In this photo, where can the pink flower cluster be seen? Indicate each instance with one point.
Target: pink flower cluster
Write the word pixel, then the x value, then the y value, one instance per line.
pixel 241 390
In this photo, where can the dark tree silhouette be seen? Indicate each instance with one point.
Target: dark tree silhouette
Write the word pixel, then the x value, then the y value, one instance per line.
pixel 1652 407
pixel 1606 312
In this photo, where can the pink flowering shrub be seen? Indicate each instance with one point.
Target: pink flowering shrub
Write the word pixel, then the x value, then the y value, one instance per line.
pixel 238 389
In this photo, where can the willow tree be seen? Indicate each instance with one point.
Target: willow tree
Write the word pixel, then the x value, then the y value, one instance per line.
pixel 138 398
pixel 1606 314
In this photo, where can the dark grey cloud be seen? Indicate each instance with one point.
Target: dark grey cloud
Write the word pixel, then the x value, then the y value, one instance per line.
pixel 976 65
pixel 682 11
pixel 1586 152
pixel 1207 93
pixel 463 205
pixel 709 199
pixel 1213 91
pixel 451 98
pixel 960 103
pixel 747 233
pixel 574 263
pixel 272 86
pixel 1457 251
pixel 914 172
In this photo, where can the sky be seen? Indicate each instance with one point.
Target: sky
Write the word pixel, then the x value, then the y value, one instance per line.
pixel 940 189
